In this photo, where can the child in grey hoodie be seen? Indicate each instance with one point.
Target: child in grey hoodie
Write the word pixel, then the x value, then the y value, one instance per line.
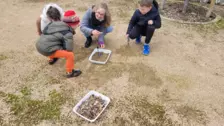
pixel 56 41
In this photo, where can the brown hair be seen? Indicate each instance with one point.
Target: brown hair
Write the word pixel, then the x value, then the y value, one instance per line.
pixel 107 13
pixel 54 13
pixel 147 3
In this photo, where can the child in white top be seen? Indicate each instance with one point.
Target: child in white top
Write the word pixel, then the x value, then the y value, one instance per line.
pixel 43 20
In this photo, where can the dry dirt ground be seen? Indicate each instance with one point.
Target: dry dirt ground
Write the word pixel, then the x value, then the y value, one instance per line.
pixel 181 83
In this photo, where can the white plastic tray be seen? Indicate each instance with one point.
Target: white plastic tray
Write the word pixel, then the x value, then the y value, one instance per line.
pixel 105 98
pixel 101 51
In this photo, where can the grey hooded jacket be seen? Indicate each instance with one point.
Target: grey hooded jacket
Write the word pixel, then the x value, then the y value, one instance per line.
pixel 86 23
pixel 56 36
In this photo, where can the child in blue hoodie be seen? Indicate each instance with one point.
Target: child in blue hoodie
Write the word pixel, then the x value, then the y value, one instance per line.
pixel 144 22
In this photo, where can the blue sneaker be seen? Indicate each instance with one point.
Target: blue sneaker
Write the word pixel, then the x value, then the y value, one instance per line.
pixel 146 49
pixel 138 39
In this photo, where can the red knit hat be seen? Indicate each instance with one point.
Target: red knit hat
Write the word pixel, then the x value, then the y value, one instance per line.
pixel 69 15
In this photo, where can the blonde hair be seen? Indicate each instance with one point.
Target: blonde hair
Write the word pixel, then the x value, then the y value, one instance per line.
pixel 107 12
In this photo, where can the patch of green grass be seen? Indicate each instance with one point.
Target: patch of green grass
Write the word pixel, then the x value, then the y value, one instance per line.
pixel 142 112
pixel 25 91
pixel 149 113
pixel 220 24
pixel 2 94
pixel 3 57
pixel 192 114
pixel 210 28
pixel 28 111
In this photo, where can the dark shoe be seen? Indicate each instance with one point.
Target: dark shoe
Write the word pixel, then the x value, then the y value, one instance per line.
pixel 88 42
pixel 74 73
pixel 52 61
pixel 138 39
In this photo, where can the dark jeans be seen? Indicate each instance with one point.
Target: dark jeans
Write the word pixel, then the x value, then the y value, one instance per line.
pixel 144 31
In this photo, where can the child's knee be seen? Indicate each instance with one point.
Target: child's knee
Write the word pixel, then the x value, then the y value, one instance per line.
pixel 150 28
pixel 132 36
pixel 70 55
pixel 110 29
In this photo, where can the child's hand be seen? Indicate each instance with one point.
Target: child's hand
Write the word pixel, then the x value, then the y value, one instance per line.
pixel 96 32
pixel 150 22
pixel 102 45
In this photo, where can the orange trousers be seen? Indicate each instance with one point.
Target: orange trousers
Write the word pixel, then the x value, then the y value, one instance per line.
pixel 69 56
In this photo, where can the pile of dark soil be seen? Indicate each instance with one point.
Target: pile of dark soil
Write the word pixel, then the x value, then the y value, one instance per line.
pixel 194 13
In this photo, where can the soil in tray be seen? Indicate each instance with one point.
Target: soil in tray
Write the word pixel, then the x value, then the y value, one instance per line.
pixel 91 107
pixel 100 56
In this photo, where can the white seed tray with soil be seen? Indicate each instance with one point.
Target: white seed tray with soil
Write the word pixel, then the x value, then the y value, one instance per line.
pixel 100 56
pixel 91 106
